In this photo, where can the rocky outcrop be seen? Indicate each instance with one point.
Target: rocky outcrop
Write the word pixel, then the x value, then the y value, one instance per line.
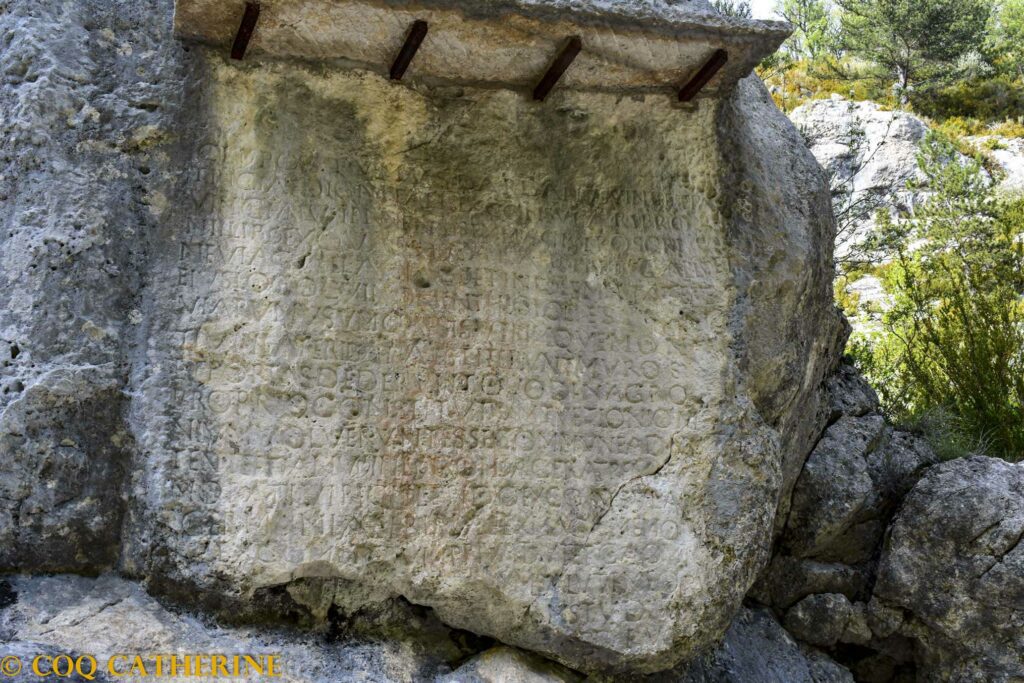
pixel 1007 154
pixel 869 154
pixel 954 566
pixel 757 648
pixel 432 371
pixel 108 616
pixel 299 341
pixel 86 91
pixel 895 565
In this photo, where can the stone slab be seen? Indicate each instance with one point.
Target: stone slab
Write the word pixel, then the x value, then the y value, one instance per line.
pixel 627 46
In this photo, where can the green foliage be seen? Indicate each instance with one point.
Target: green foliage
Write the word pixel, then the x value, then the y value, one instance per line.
pixel 942 58
pixel 994 98
pixel 733 8
pixel 952 339
pixel 814 30
pixel 1006 37
pixel 912 42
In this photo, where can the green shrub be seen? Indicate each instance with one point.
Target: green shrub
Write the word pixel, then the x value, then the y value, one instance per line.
pixel 951 340
pixel 998 98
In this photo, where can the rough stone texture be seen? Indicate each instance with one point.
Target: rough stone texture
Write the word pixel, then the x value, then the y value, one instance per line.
pixel 633 46
pixel 545 370
pixel 107 616
pixel 835 488
pixel 844 500
pixel 84 92
pixel 849 488
pixel 955 563
pixel 820 619
pixel 526 366
pixel 757 649
pixel 508 665
pixel 783 358
pixel 1008 154
pixel 850 394
pixel 789 579
pixel 869 155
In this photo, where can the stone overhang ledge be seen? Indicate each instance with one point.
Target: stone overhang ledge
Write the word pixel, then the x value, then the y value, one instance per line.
pixel 628 46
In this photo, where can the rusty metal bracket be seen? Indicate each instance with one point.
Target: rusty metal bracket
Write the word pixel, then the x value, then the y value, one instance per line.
pixel 412 43
pixel 701 78
pixel 245 29
pixel 558 67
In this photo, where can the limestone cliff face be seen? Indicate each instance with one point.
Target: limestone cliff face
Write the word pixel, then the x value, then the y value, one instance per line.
pixel 298 337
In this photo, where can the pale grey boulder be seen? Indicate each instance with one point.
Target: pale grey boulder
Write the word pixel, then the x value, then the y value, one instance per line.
pixel 86 89
pixel 954 564
pixel 296 341
pixel 509 665
pixel 546 370
pixel 107 616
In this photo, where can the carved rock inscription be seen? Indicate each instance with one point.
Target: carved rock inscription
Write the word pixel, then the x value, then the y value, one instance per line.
pixel 451 345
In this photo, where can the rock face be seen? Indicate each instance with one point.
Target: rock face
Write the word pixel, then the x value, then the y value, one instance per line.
pixel 298 340
pixel 869 155
pixel 757 648
pixel 80 112
pixel 1008 155
pixel 896 566
pixel 108 616
pixel 955 564
pixel 630 46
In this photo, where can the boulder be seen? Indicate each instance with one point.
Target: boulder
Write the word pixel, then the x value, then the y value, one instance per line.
pixel 757 648
pixel 869 154
pixel 508 665
pixel 849 488
pixel 954 563
pixel 297 340
pixel 827 519
pixel 108 616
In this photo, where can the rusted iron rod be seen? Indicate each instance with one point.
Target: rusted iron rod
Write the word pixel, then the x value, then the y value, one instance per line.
pixel 412 43
pixel 701 78
pixel 245 29
pixel 558 67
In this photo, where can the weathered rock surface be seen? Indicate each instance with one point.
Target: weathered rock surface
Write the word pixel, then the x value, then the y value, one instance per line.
pixel 544 369
pixel 849 488
pixel 109 616
pixel 83 89
pixel 868 153
pixel 628 46
pixel 1008 154
pixel 294 341
pixel 757 648
pixel 898 567
pixel 954 563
